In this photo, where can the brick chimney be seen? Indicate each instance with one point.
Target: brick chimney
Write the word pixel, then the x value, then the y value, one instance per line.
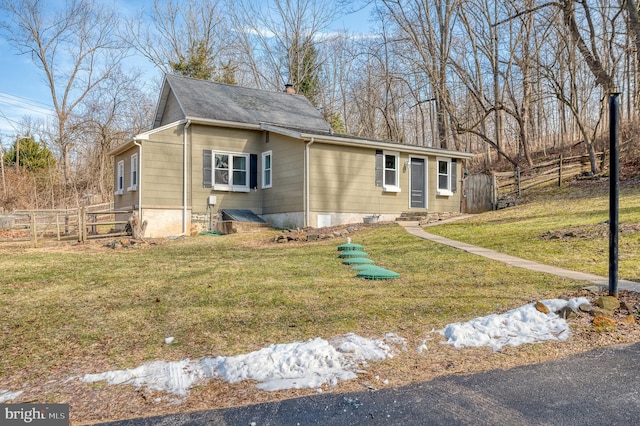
pixel 288 88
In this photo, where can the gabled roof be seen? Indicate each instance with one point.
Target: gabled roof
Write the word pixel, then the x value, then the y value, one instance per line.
pixel 208 100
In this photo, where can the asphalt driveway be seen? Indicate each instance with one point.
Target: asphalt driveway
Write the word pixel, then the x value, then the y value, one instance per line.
pixel 599 387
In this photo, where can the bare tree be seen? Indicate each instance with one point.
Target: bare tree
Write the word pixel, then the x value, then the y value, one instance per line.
pixel 75 48
pixel 335 101
pixel 280 41
pixel 488 56
pixel 428 28
pixel 596 46
pixel 186 37
pixel 111 115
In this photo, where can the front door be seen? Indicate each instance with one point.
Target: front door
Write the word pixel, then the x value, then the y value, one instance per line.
pixel 418 183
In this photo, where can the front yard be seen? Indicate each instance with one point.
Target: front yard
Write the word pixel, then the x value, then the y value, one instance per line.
pixel 72 310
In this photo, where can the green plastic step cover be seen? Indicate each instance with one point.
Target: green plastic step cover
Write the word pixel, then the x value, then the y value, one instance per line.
pixel 350 246
pixel 357 260
pixel 363 266
pixel 353 253
pixel 377 274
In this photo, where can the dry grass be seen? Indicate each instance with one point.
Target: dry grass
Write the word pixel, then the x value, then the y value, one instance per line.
pixel 72 310
pixel 564 227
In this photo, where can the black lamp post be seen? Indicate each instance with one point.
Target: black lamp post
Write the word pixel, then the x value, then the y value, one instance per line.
pixel 614 189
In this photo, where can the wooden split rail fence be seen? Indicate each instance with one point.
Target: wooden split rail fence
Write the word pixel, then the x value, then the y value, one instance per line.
pixel 484 192
pixel 509 186
pixel 80 224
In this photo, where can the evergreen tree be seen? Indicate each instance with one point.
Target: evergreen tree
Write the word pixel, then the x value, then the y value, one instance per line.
pixel 32 155
pixel 304 69
pixel 195 64
pixel 336 123
pixel 227 74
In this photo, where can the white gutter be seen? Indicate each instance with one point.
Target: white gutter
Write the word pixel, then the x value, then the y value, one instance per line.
pixel 139 145
pixel 184 177
pixel 307 207
pixel 411 149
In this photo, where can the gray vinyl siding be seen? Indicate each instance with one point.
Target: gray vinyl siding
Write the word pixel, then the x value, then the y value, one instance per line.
pixel 129 198
pixel 287 191
pixel 228 140
pixel 161 175
pixel 443 203
pixel 172 111
pixel 343 180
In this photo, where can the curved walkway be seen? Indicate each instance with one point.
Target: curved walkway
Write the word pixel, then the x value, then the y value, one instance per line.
pixel 414 228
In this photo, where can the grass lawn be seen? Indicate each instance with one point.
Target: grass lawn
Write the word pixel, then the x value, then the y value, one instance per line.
pixel 227 295
pixel 68 311
pixel 563 227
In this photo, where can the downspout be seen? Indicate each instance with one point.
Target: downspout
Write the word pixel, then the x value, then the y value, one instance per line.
pixel 307 203
pixel 184 177
pixel 139 145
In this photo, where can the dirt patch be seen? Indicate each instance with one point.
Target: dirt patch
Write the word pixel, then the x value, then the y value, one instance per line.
pixel 600 230
pixel 322 234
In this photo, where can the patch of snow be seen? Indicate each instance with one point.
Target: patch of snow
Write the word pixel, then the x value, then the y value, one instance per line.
pixel 394 339
pixel 515 327
pixel 174 377
pixel 361 349
pixel 316 362
pixel 288 366
pixel 279 366
pixel 6 395
pixel 423 345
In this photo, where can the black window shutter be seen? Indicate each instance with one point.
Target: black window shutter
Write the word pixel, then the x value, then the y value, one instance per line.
pixel 454 175
pixel 379 168
pixel 253 175
pixel 206 168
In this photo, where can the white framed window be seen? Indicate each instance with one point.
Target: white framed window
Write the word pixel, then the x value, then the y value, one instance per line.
pixel 120 178
pixel 391 175
pixel 230 171
pixel 444 176
pixel 266 169
pixel 134 173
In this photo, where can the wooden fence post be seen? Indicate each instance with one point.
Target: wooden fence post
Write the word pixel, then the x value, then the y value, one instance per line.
pixel 494 191
pixel 58 225
pixel 81 225
pixel 560 171
pixel 34 230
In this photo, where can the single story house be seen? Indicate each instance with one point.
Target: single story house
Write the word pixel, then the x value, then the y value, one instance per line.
pixel 217 151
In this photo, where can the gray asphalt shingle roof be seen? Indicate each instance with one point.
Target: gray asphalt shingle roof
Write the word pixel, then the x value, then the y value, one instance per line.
pixel 217 101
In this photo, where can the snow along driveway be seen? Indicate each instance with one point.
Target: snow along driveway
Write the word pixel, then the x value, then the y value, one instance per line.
pixel 318 361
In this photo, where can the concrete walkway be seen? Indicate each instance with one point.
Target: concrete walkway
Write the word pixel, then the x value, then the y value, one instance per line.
pixel 414 228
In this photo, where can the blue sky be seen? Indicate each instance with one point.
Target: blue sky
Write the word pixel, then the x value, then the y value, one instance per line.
pixel 23 91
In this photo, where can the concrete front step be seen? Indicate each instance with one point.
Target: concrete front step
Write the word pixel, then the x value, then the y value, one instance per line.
pixel 416 218
pixel 412 216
